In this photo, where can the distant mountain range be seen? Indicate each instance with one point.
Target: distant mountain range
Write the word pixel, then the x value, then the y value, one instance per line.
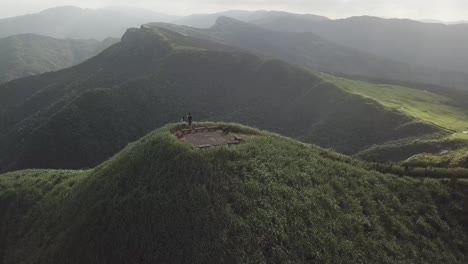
pixel 316 52
pixel 261 16
pixel 431 45
pixel 433 53
pixel 375 48
pixel 79 23
pixel 28 54
pixel 444 22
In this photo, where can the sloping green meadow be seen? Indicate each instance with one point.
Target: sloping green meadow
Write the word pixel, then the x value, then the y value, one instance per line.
pixel 420 104
pixel 448 149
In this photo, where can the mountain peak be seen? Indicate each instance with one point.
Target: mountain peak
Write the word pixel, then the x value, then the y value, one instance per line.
pixel 145 41
pixel 228 23
pixel 224 20
pixel 62 9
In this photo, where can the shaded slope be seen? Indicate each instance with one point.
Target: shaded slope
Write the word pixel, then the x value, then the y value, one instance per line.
pixel 314 51
pixel 271 199
pixel 435 46
pixel 80 116
pixel 25 55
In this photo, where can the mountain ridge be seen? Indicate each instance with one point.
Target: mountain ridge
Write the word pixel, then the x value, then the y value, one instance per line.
pixel 434 45
pixel 311 50
pixel 152 77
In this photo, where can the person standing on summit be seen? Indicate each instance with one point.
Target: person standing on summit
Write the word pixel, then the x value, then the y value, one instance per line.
pixel 189 119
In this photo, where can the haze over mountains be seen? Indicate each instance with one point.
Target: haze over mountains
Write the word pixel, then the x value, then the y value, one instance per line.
pixel 369 47
pixel 433 53
pixel 78 23
pixel 432 45
pixel 29 54
pixel 436 21
pixel 208 20
pixel 313 51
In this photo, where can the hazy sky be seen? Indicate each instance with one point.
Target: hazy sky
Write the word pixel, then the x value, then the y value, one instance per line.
pixel 447 10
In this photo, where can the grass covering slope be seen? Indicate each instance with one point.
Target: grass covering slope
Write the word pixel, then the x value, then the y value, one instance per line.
pixel 455 158
pixel 81 116
pixel 271 199
pixel 423 105
pixel 446 149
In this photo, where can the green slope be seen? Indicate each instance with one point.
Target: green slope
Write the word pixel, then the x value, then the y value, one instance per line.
pixel 79 117
pixel 271 199
pixel 28 54
pixel 444 111
pixel 445 158
pixel 420 104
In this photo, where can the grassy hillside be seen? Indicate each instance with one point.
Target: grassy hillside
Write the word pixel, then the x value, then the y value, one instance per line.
pixel 420 104
pixel 79 117
pixel 446 158
pixel 449 148
pixel 25 55
pixel 271 199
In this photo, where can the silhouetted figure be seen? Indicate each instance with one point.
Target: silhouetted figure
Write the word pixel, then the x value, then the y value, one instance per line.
pixel 189 118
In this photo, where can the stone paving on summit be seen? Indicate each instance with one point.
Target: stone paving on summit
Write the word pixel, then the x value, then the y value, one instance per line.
pixel 207 137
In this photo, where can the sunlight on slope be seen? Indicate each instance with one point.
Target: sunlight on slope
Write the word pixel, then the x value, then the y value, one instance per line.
pixel 420 104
